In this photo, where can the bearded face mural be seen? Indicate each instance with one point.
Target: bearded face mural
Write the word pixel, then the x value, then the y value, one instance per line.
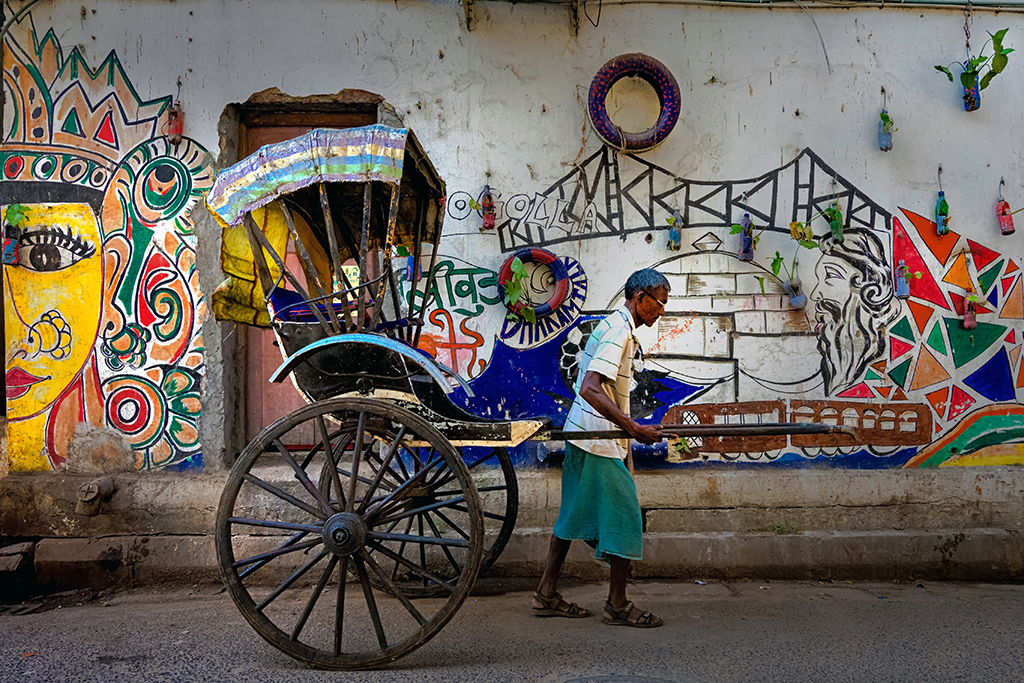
pixel 103 308
pixel 854 303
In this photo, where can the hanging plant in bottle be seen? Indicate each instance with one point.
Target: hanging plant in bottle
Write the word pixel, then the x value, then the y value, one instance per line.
pixel 885 127
pixel 978 71
pixel 514 290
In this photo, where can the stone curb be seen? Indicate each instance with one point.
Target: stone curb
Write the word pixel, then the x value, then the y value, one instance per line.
pixel 962 555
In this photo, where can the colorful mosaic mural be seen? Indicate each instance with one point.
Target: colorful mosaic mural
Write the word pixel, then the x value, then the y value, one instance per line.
pixel 920 389
pixel 103 309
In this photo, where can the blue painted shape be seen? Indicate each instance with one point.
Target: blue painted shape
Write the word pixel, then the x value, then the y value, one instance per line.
pixel 993 298
pixel 993 380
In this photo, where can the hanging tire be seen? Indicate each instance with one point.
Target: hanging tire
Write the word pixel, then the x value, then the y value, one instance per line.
pixel 334 493
pixel 558 269
pixel 659 77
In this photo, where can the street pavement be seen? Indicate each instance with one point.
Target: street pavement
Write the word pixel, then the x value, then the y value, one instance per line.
pixel 738 631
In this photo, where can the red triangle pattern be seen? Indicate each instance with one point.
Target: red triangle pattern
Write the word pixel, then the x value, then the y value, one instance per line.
pixel 938 400
pixel 899 395
pixel 106 133
pixel 884 391
pixel 1012 337
pixel 982 255
pixel 958 305
pixel 861 390
pixel 897 348
pixel 925 286
pixel 1006 282
pixel 959 402
pixel 922 314
pixel 941 246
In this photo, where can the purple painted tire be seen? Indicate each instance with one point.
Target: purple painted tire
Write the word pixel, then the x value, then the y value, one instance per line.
pixel 659 77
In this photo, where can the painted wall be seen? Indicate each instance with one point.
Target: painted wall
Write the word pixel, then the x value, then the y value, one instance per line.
pixel 765 129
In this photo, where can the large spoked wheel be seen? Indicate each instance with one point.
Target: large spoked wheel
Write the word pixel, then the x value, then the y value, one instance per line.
pixel 494 478
pixel 327 511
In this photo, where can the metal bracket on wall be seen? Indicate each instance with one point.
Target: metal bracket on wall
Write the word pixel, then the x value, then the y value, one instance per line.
pixel 468 6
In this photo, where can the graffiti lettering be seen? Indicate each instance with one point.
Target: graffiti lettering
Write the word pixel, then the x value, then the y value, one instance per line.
pixel 460 289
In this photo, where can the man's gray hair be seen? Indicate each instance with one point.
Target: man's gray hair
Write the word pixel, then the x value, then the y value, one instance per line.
pixel 646 280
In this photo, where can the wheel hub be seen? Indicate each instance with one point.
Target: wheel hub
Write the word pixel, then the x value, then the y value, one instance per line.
pixel 344 533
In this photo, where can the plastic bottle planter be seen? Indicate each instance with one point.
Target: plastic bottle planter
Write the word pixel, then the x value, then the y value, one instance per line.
pixel 1005 217
pixel 942 214
pixel 970 316
pixel 746 252
pixel 902 280
pixel 487 208
pixel 675 232
pixel 885 132
pixel 972 95
pixel 797 299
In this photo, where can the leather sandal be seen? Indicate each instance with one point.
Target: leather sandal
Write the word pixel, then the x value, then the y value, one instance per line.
pixel 551 607
pixel 619 616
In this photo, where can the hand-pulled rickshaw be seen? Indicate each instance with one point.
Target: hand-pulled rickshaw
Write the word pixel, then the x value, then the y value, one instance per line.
pixel 351 530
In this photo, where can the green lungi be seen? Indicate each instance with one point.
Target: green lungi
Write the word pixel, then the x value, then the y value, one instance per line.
pixel 599 505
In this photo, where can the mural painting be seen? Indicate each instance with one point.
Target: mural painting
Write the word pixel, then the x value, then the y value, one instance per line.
pixel 103 308
pixel 921 390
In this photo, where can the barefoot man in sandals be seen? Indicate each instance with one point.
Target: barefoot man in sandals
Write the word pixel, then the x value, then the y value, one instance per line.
pixel 599 500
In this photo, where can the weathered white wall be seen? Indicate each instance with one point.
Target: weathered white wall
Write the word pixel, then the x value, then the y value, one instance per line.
pixel 509 100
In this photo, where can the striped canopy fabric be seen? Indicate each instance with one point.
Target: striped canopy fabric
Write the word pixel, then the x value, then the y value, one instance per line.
pixel 321 155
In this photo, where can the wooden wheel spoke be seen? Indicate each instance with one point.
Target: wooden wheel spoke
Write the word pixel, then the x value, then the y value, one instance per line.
pixel 332 460
pixel 391 587
pixel 339 609
pixel 422 540
pixel 270 488
pixel 301 475
pixel 271 524
pixel 487 515
pixel 371 602
pixel 423 509
pixel 311 602
pixel 412 566
pixel 271 554
pixel 356 456
pixel 396 496
pixel 385 464
pixel 253 567
pixel 296 575
pixel 452 524
pixel 444 548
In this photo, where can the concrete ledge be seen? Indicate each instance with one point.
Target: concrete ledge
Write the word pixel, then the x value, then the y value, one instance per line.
pixel 968 555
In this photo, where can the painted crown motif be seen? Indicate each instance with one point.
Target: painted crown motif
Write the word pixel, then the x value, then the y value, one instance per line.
pixel 66 122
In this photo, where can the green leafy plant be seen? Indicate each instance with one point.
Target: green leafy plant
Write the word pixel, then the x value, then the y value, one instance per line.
pixel 737 229
pixel 887 123
pixel 15 214
pixel 514 291
pixel 973 67
pixel 475 205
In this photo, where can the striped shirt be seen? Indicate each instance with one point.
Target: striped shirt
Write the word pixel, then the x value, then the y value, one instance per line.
pixel 609 353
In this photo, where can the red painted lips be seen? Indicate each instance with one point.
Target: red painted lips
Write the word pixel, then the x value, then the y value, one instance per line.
pixel 18 382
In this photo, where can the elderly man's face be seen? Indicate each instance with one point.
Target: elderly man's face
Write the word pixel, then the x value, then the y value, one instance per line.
pixel 651 306
pixel 834 286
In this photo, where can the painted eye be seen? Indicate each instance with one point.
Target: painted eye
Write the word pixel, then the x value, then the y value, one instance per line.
pixel 48 248
pixel 831 273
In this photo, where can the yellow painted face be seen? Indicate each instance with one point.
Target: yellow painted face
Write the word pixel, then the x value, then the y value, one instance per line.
pixel 52 308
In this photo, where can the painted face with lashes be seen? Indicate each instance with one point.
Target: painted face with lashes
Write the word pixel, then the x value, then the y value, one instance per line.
pixel 54 298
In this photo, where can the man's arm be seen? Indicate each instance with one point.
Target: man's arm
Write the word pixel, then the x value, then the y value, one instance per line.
pixel 594 394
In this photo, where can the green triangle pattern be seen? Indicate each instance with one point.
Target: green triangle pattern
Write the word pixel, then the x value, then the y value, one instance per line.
pixel 989 276
pixel 936 341
pixel 872 375
pixel 72 125
pixel 969 344
pixel 899 373
pixel 902 329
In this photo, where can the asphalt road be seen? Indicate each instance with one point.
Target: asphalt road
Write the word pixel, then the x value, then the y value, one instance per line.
pixel 743 631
